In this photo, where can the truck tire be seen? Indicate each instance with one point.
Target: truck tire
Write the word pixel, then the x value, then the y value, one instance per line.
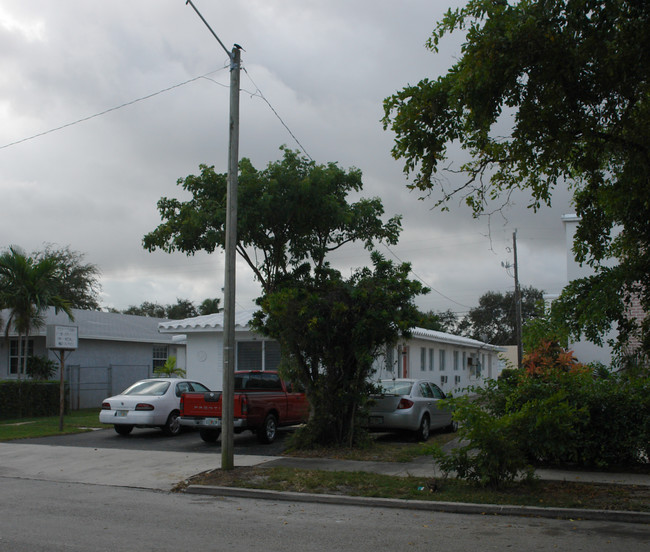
pixel 210 435
pixel 267 433
pixel 123 429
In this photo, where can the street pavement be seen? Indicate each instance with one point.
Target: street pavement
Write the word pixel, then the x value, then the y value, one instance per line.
pixel 162 470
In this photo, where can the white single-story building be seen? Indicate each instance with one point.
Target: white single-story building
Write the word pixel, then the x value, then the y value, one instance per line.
pixel 450 361
pixel 114 350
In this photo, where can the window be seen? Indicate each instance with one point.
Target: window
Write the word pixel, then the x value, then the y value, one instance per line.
pixel 390 358
pixel 249 355
pixel 258 355
pixel 442 359
pixel 425 390
pixel 423 359
pixel 443 380
pixel 457 380
pixel 437 392
pixel 160 353
pixel 272 355
pixel 464 360
pixel 456 360
pixel 431 356
pixel 14 361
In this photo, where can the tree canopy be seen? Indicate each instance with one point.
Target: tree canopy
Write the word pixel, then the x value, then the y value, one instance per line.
pixel 183 308
pixel 292 212
pixel 495 319
pixel 547 92
pixel 78 282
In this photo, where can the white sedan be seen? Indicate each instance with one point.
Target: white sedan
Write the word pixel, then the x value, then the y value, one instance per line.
pixel 148 403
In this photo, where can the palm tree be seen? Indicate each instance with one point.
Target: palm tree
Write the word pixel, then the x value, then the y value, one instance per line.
pixel 27 288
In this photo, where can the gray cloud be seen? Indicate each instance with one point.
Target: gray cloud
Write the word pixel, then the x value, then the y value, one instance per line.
pixel 325 68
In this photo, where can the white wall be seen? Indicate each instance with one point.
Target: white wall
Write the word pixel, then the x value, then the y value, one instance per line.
pixel 458 377
pixel 584 350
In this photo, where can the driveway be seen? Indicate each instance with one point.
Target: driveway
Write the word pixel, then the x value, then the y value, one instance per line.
pixel 144 459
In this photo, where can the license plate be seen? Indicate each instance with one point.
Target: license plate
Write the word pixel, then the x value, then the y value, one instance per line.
pixel 121 413
pixel 215 422
pixel 376 420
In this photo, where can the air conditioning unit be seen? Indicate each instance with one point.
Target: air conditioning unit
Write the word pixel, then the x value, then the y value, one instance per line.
pixel 471 361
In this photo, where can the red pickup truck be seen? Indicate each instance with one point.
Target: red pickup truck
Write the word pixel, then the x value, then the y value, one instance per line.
pixel 263 402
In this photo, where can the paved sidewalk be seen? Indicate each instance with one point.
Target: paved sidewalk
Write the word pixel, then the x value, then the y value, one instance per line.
pixel 425 467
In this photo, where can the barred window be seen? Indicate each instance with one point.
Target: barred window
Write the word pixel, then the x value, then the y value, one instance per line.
pixel 16 363
pixel 160 353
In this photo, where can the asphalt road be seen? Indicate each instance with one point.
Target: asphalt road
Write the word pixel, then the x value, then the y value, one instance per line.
pixel 46 516
pixel 154 439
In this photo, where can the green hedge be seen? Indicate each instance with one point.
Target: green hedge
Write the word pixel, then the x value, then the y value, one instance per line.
pixel 573 419
pixel 28 399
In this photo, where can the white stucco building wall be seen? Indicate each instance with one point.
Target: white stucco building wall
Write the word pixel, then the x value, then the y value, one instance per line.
pixel 584 350
pixel 452 362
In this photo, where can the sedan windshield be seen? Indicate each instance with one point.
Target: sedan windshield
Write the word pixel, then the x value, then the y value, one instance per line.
pixel 391 387
pixel 148 388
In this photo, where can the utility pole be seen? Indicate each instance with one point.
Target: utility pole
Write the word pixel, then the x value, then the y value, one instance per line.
pixel 517 302
pixel 228 393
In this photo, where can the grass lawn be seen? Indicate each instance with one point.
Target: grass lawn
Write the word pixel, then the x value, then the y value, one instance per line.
pixel 389 448
pixel 540 493
pixel 77 421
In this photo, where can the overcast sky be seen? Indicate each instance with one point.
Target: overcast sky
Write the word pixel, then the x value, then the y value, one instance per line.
pixel 325 68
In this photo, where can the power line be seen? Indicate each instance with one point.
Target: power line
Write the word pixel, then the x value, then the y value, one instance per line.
pixel 425 283
pixel 260 94
pixel 84 119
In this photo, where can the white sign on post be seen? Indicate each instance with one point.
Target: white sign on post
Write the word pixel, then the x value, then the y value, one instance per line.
pixel 64 338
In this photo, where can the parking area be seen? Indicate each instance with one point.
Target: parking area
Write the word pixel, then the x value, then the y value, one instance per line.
pixel 154 440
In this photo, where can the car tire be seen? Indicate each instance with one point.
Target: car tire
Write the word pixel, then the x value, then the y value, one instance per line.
pixel 123 429
pixel 267 433
pixel 424 431
pixel 210 435
pixel 452 427
pixel 173 425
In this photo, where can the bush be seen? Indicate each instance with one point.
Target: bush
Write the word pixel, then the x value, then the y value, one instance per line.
pixel 550 415
pixel 40 368
pixel 491 455
pixel 28 399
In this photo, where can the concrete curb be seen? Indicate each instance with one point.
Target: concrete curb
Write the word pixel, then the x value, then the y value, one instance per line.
pixel 574 514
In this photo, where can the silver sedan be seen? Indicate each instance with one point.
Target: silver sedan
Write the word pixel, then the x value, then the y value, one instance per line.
pixel 409 404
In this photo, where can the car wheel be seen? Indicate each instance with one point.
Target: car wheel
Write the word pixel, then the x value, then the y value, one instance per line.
pixel 173 425
pixel 123 429
pixel 209 435
pixel 452 427
pixel 266 434
pixel 424 431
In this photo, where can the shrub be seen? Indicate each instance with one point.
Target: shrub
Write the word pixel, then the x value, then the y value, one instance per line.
pixel 40 368
pixel 28 399
pixel 558 413
pixel 490 455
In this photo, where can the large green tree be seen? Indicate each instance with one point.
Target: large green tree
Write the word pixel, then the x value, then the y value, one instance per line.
pixel 291 212
pixel 494 320
pixel 331 330
pixel 291 216
pixel 546 92
pixel 27 288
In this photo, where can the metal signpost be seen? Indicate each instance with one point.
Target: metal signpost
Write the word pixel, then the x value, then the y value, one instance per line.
pixel 62 339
